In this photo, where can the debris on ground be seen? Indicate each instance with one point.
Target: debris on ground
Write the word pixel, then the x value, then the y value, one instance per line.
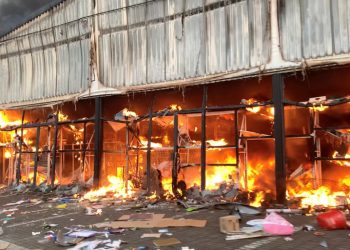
pixel 150 221
pixel 62 206
pixel 166 242
pixel 247 236
pixel 331 220
pixel 4 245
pixel 324 244
pixel 107 226
pixel 229 224
pixel 309 228
pixel 319 233
pixel 274 224
pixel 151 235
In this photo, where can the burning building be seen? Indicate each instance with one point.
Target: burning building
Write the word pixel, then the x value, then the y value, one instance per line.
pixel 171 96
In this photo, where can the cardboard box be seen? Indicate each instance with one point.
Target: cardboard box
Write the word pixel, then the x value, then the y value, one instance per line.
pixel 229 224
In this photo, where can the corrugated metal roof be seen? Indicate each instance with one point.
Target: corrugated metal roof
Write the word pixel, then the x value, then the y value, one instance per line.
pixel 156 44
pixel 141 44
pixel 53 59
pixel 314 29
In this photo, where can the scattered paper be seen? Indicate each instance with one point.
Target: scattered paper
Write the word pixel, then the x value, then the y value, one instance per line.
pixel 17 203
pixel 256 222
pixel 324 244
pixel 82 234
pixel 93 211
pixel 35 233
pixel 116 230
pixel 86 245
pixel 154 235
pixel 114 244
pixel 163 230
pixel 8 210
pixel 246 236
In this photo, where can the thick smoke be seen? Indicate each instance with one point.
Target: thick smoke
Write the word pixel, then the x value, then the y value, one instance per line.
pixel 13 13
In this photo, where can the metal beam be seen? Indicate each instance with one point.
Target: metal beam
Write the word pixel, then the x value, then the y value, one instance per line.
pixel 36 156
pixel 279 134
pixel 20 144
pixel 237 132
pixel 84 151
pixel 54 152
pixel 98 140
pixel 175 154
pixel 149 138
pixel 204 138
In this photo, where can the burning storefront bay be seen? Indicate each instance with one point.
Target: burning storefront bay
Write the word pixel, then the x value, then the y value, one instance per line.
pixel 177 148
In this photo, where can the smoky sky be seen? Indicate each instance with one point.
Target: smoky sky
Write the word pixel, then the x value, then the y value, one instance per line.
pixel 13 13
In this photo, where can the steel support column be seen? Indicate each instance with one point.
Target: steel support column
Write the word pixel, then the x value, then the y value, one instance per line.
pixel 237 134
pixel 98 140
pixel 279 134
pixel 54 152
pixel 175 154
pixel 84 152
pixel 36 157
pixel 20 145
pixel 204 138
pixel 149 140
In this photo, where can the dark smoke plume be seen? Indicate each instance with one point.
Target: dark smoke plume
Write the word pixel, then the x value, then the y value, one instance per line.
pixel 13 13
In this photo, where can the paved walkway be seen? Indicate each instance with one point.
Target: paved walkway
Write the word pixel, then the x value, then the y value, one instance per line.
pixel 30 218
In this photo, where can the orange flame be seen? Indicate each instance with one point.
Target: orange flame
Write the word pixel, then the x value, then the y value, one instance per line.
pixel 129 113
pixel 144 143
pixel 7 154
pixel 116 186
pixel 216 143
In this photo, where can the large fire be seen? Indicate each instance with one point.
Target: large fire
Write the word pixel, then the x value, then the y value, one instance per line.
pixel 40 178
pixel 256 176
pixel 116 187
pixel 342 163
pixel 6 122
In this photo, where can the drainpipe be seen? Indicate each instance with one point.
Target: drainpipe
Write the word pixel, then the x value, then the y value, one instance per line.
pixel 276 60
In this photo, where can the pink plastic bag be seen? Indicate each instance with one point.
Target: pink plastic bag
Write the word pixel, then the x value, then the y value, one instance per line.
pixel 277 225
